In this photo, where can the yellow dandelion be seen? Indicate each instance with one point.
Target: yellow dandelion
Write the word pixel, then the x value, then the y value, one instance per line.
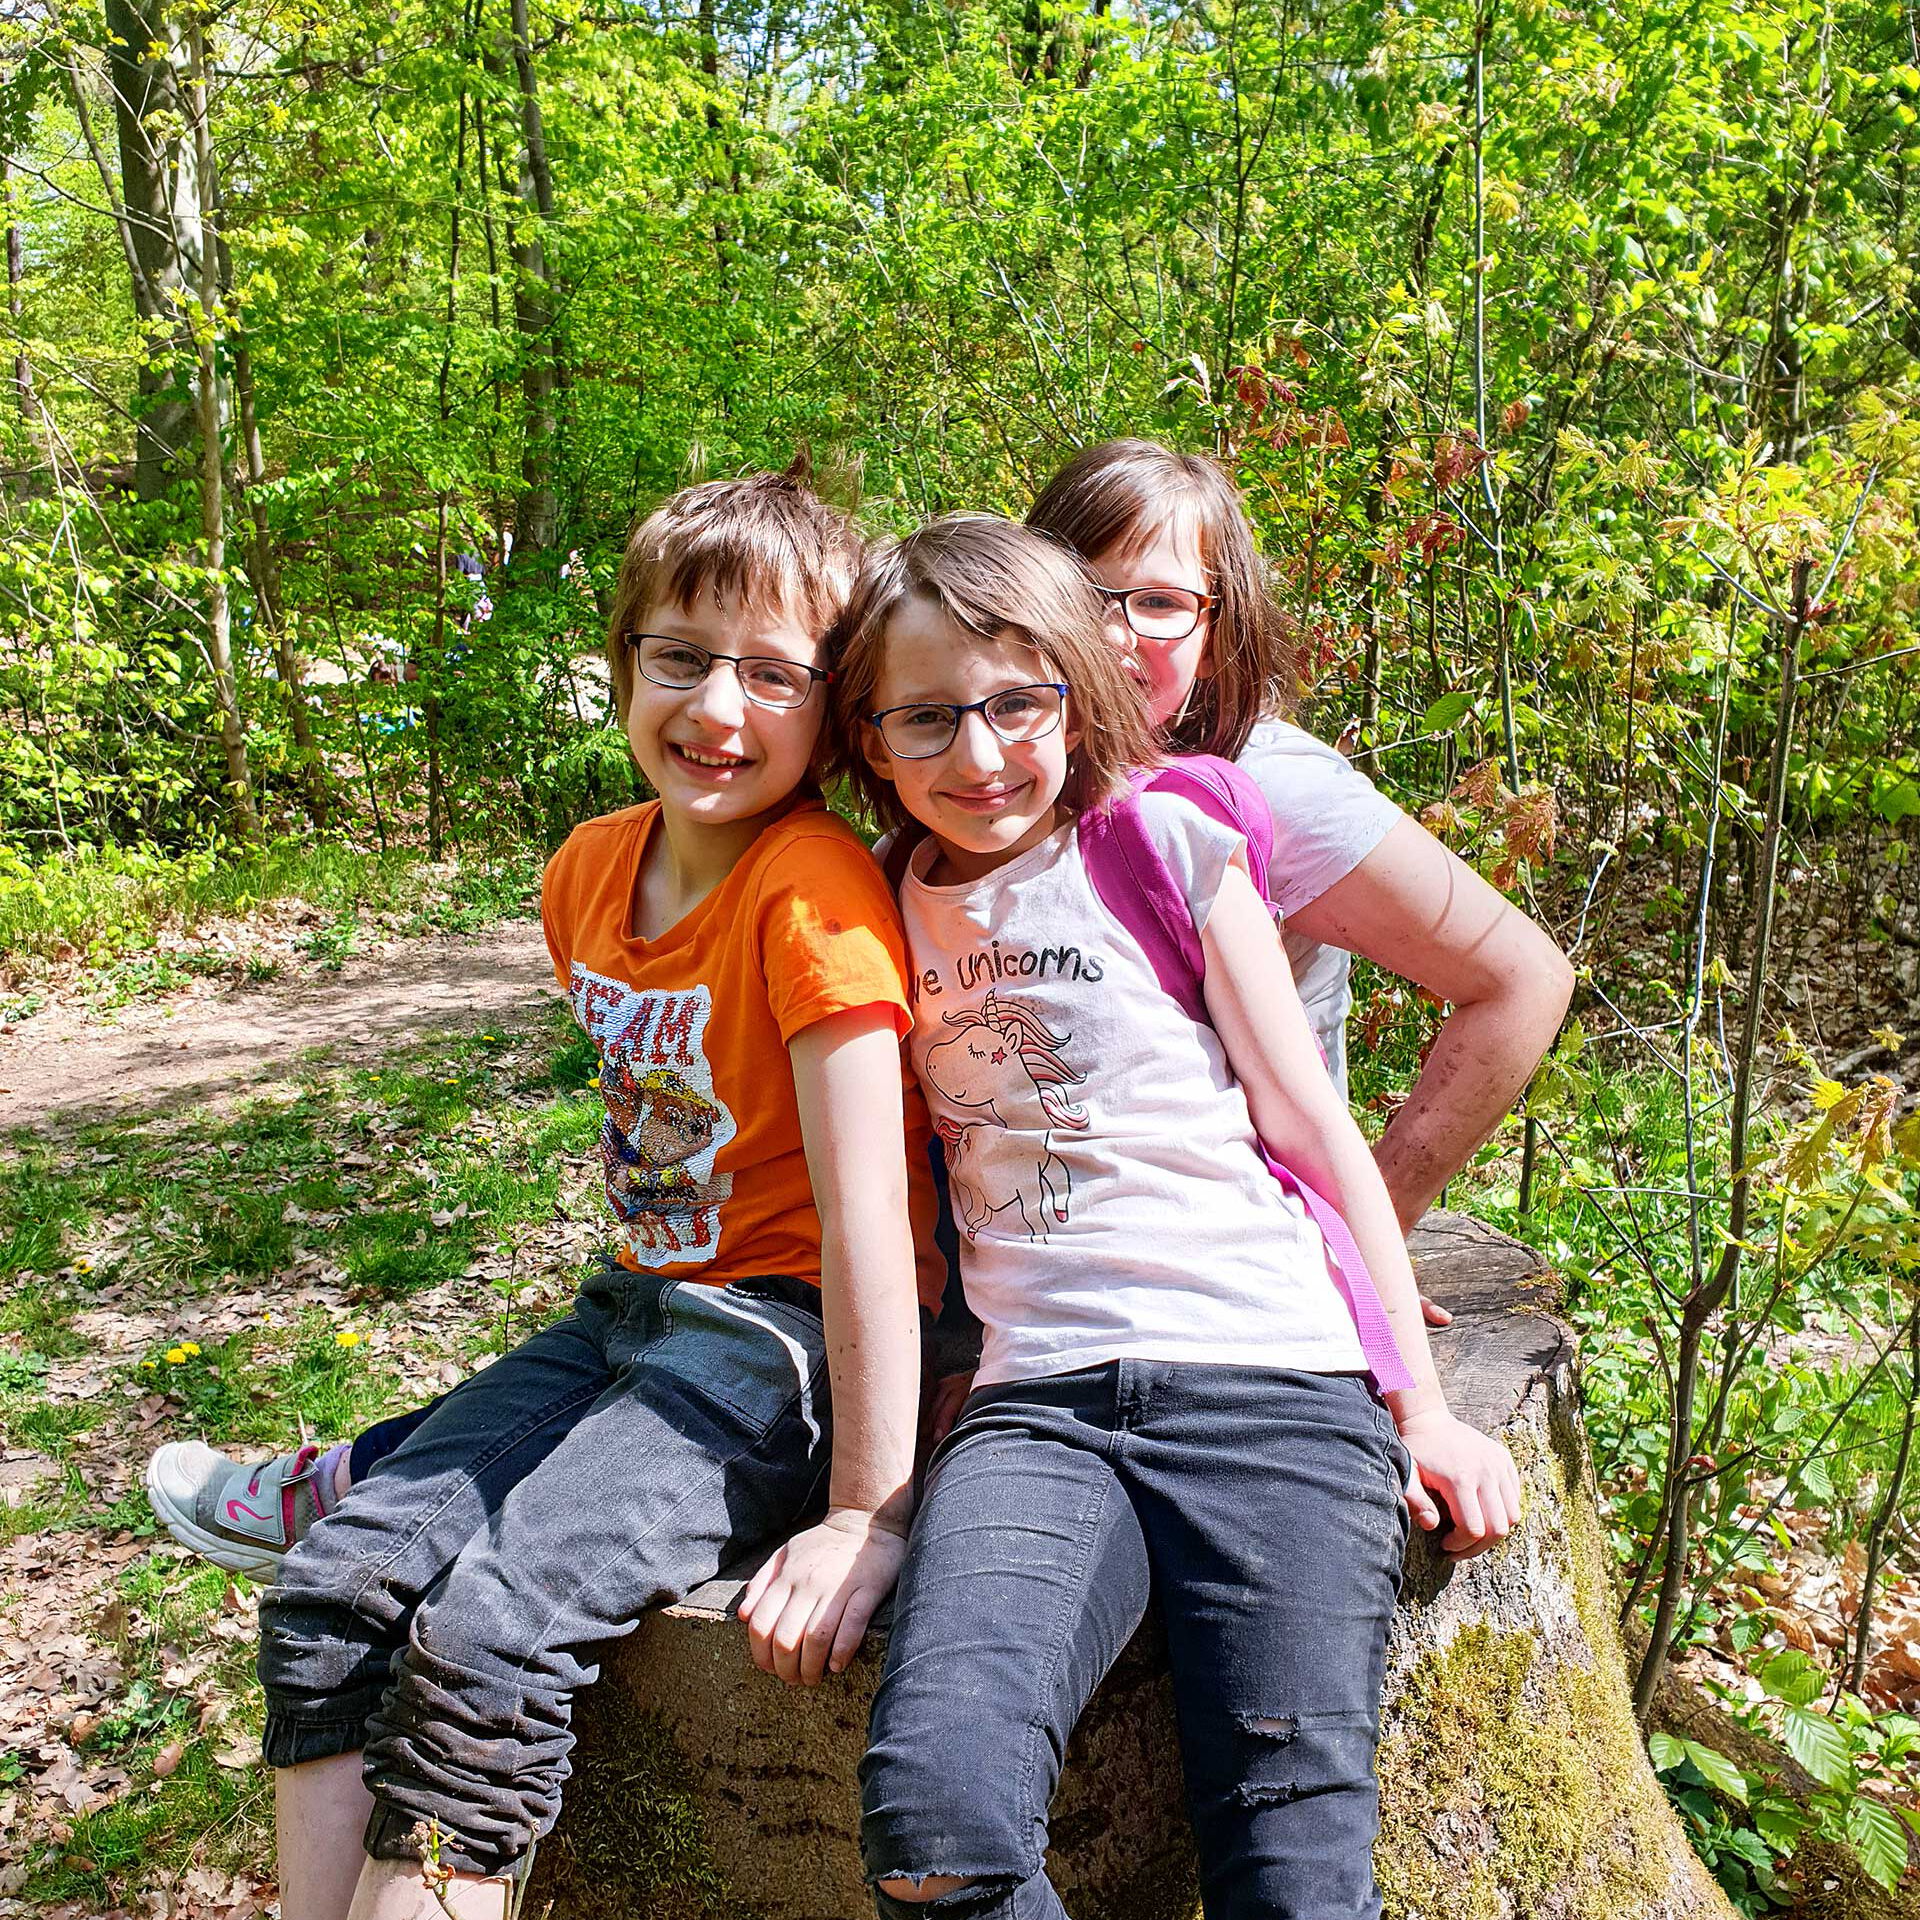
pixel 83 1266
pixel 346 1339
pixel 188 1346
pixel 176 1355
pixel 595 1081
pixel 149 1366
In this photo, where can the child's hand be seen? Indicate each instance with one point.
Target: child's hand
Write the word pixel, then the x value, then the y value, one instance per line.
pixel 1475 1477
pixel 807 1609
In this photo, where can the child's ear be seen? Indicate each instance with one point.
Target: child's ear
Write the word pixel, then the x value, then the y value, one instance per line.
pixel 874 750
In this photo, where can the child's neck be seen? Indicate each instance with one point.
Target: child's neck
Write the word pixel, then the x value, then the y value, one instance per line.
pixel 954 865
pixel 685 861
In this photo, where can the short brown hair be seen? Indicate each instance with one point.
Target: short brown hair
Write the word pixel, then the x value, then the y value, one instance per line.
pixel 766 536
pixel 1119 495
pixel 1002 581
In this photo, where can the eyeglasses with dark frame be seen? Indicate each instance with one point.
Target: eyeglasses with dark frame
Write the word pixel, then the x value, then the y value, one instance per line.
pixel 764 679
pixel 1160 613
pixel 927 727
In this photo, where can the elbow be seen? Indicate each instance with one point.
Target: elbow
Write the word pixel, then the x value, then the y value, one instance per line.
pixel 1527 998
pixel 1557 980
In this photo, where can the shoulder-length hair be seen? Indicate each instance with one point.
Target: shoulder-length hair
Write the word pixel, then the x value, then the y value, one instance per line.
pixel 1003 582
pixel 1115 498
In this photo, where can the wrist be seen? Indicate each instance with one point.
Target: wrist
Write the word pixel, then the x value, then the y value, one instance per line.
pixel 1414 1406
pixel 894 1516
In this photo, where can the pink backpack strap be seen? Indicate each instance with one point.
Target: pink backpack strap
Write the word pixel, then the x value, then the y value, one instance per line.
pixel 1350 1275
pixel 1132 880
pixel 1134 883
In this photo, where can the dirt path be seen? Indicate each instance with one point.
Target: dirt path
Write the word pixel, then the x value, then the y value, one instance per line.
pixel 65 1065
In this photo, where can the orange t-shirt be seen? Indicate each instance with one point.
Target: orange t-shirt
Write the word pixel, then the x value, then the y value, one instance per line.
pixel 706 1173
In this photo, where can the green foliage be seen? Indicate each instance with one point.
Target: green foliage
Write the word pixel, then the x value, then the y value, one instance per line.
pixel 1849 1752
pixel 1565 425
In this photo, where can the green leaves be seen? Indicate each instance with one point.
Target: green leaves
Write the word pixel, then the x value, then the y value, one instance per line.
pixel 1793 1677
pixel 1713 1767
pixel 1879 1836
pixel 1446 712
pixel 1817 1744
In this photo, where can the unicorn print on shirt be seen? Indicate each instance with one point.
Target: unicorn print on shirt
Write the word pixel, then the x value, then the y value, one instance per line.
pixel 1003 1070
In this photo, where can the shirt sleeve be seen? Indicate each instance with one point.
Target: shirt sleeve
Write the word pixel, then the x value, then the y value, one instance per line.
pixel 1327 815
pixel 830 937
pixel 554 916
pixel 1197 848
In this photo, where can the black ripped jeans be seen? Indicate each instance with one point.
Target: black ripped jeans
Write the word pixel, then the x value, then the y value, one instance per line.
pixel 1262 1510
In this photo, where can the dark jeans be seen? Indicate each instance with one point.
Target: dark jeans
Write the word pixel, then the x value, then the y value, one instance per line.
pixel 1262 1512
pixel 443 1616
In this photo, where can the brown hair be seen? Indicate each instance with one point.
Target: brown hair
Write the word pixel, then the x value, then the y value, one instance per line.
pixel 1002 581
pixel 1119 495
pixel 766 536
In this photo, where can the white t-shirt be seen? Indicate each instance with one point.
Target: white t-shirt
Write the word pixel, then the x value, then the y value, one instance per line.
pixel 1107 1182
pixel 1327 817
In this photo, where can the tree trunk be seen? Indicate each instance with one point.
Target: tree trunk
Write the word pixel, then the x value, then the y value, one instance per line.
pixel 213 513
pixel 538 528
pixel 29 401
pixel 148 62
pixel 262 561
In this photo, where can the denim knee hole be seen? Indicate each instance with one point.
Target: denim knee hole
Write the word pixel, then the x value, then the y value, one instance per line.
pixel 980 1894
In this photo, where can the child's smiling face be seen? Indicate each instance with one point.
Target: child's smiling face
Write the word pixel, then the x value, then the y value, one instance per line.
pixel 715 757
pixel 1166 668
pixel 986 799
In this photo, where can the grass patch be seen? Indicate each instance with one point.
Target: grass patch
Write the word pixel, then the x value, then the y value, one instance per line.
pixel 47 1426
pixel 42 1317
pixel 202 1814
pixel 37 1207
pixel 110 905
pixel 111 901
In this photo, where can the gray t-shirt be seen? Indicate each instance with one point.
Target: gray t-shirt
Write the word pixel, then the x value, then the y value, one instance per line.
pixel 1327 817
pixel 1107 1180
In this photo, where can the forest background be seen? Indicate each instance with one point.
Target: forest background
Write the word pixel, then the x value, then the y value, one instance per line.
pixel 1567 355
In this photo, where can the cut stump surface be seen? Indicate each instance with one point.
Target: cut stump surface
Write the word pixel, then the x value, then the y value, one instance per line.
pixel 1513 1782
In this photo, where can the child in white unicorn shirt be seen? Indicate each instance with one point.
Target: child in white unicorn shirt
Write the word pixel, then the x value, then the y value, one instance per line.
pixel 1173 1398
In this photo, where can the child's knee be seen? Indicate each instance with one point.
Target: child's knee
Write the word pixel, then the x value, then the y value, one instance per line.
pixel 942 1896
pixel 932 1886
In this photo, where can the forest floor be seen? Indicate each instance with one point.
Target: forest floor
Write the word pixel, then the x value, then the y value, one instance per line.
pixel 219 1037
pixel 256 1213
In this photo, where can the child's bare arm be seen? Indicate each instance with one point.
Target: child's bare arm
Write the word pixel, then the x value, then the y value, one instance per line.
pixel 808 1608
pixel 1256 1011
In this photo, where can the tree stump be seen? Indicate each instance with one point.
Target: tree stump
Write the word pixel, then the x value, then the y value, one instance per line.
pixel 1513 1782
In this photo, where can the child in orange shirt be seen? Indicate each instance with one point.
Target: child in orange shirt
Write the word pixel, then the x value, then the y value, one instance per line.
pixel 422 1644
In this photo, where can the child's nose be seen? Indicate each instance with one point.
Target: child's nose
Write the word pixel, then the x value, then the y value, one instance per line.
pixel 719 699
pixel 977 747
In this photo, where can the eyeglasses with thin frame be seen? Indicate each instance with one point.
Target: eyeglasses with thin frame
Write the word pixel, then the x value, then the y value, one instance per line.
pixel 1160 613
pixel 765 680
pixel 927 727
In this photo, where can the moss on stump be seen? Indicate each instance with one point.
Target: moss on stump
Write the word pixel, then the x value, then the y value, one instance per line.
pixel 1513 1782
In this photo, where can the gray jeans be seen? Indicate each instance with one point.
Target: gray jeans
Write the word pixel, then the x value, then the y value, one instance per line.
pixel 442 1618
pixel 1261 1510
